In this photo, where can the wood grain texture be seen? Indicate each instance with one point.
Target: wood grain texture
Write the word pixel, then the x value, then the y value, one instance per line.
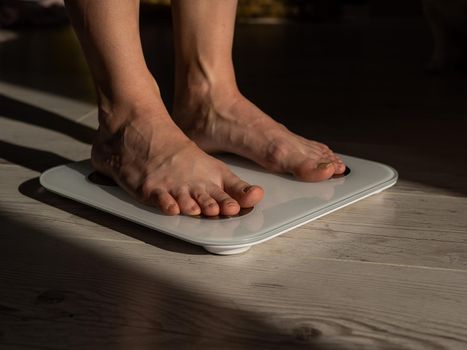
pixel 389 272
pixel 409 227
pixel 103 293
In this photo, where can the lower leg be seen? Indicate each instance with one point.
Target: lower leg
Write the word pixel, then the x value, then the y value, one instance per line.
pixel 109 35
pixel 203 33
pixel 137 143
pixel 210 109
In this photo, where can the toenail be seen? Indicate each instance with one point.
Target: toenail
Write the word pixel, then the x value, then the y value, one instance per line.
pixel 212 205
pixel 324 165
pixel 172 207
pixel 246 189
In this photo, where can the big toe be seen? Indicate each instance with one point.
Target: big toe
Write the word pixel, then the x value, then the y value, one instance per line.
pixel 245 194
pixel 313 171
pixel 340 167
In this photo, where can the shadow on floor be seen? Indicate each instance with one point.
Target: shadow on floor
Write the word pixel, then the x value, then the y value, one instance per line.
pixel 69 294
pixel 30 158
pixel 49 60
pixel 40 161
pixel 34 190
pixel 26 113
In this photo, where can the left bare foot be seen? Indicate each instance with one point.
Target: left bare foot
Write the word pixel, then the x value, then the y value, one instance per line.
pixel 223 120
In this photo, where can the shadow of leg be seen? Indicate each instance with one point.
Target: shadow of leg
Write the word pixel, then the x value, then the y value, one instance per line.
pixel 77 293
pixel 26 113
pixel 33 189
pixel 30 158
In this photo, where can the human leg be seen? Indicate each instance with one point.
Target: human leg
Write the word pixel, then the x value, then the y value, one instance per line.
pixel 210 109
pixel 137 143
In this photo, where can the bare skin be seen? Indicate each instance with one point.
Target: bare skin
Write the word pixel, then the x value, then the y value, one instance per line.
pixel 139 145
pixel 154 161
pixel 234 124
pixel 210 109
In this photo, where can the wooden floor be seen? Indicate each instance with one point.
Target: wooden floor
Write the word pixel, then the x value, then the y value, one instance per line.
pixel 389 272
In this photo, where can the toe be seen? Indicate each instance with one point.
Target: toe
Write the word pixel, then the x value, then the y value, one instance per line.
pixel 208 205
pixel 227 205
pixel 245 194
pixel 340 166
pixel 165 202
pixel 320 164
pixel 312 171
pixel 187 204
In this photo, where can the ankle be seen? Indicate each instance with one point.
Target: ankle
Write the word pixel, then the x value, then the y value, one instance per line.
pixel 118 97
pixel 195 83
pixel 116 115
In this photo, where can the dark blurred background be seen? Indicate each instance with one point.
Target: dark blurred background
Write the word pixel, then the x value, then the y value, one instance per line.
pixel 27 12
pixel 380 79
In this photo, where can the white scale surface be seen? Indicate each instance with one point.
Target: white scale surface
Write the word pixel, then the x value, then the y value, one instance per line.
pixel 288 203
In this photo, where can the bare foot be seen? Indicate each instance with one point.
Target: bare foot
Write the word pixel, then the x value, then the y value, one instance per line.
pixel 224 120
pixel 149 157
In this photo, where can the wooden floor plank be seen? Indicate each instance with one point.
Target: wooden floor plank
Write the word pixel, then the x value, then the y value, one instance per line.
pixel 22 141
pixel 387 228
pixel 388 272
pixel 66 107
pixel 137 293
pixel 331 235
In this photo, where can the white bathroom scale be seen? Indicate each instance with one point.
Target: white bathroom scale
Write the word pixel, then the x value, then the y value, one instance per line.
pixel 287 203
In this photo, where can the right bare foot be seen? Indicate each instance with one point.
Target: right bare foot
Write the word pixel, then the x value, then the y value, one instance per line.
pixel 151 159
